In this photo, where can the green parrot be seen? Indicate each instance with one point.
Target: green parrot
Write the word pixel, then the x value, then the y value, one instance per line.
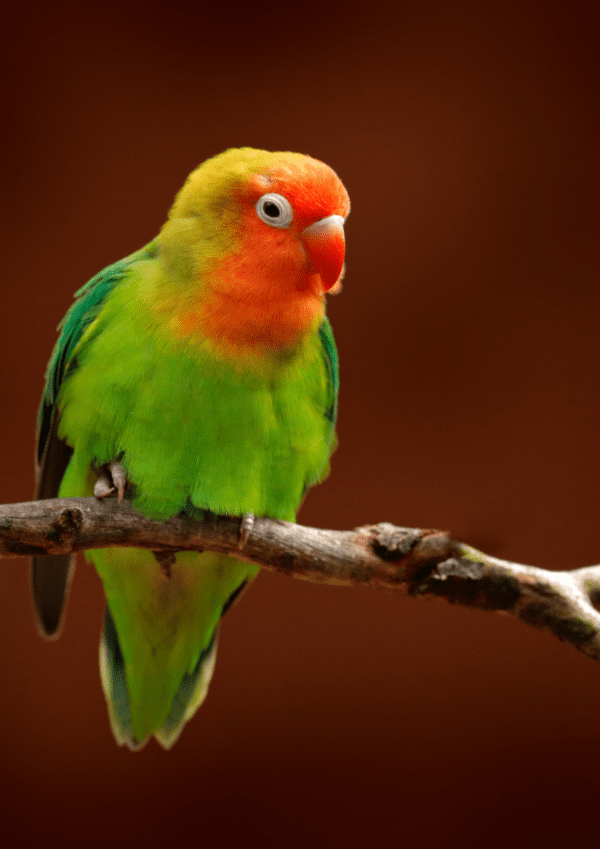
pixel 198 374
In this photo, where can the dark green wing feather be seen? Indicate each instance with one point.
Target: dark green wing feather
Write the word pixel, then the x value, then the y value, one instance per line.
pixel 331 361
pixel 331 358
pixel 51 574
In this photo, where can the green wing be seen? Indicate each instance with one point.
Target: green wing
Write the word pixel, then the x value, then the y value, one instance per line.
pixel 51 574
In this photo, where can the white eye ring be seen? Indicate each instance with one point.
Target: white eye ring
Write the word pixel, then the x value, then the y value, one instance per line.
pixel 274 210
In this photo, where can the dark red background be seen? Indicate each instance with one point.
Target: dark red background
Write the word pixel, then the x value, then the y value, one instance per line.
pixel 467 136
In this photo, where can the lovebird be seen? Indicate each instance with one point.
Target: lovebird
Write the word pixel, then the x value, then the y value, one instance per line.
pixel 198 374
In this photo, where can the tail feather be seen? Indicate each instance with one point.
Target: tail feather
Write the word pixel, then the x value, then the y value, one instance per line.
pixel 188 698
pixel 190 695
pixel 114 684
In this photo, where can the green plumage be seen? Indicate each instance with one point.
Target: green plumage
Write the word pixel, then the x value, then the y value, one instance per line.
pixel 194 430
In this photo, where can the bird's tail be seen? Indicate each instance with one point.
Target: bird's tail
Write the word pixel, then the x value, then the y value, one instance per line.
pixel 188 698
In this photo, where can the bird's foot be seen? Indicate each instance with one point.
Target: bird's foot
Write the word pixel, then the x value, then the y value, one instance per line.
pixel 246 526
pixel 111 478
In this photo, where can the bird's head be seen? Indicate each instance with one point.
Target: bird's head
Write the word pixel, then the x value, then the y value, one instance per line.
pixel 260 238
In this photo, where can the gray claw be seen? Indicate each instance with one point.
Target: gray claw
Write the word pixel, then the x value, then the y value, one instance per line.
pixel 246 526
pixel 111 479
pixel 119 479
pixel 103 486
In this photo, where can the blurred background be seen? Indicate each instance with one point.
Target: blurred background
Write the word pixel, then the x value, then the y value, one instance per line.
pixel 467 136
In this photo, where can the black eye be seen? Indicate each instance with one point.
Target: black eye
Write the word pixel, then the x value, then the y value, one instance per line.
pixel 274 210
pixel 271 209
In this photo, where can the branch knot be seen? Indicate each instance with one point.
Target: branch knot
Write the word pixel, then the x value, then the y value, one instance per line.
pixel 392 543
pixel 69 521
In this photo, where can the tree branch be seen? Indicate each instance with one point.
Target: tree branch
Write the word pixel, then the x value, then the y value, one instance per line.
pixel 416 561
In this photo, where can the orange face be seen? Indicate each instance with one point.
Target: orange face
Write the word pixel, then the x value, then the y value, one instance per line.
pixel 289 251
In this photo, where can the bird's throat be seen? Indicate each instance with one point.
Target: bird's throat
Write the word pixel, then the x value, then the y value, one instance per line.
pixel 239 325
pixel 244 308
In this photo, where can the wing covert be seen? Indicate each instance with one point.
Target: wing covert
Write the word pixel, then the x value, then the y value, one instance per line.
pixel 331 358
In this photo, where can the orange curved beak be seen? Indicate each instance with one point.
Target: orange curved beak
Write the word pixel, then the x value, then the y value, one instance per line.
pixel 326 247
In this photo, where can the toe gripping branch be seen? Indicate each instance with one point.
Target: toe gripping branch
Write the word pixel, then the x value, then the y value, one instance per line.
pixel 111 478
